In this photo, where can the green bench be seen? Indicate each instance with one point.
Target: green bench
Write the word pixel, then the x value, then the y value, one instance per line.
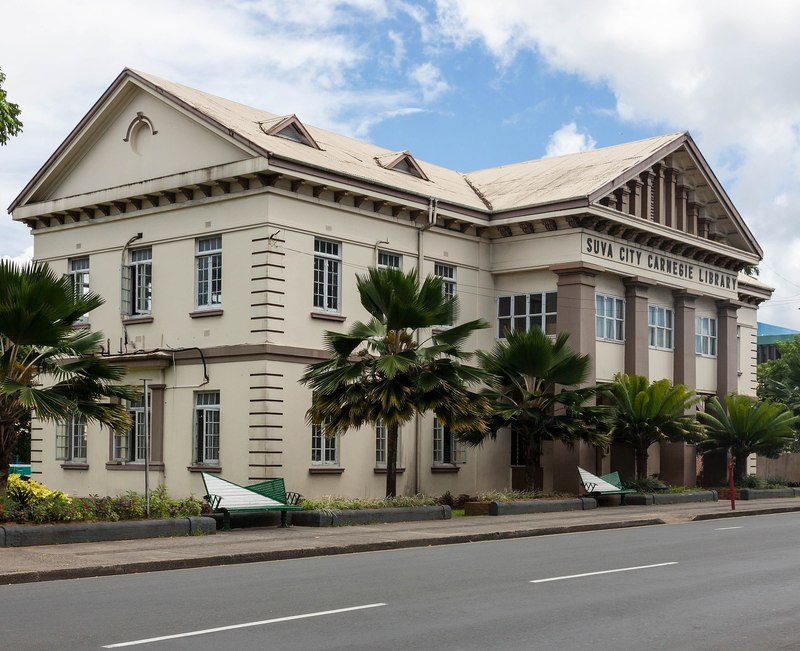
pixel 609 484
pixel 226 497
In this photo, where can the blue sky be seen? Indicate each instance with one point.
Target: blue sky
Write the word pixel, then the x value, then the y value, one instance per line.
pixel 466 84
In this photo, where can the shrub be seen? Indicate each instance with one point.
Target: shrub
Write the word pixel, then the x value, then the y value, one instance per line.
pixel 646 485
pixel 334 503
pixel 30 501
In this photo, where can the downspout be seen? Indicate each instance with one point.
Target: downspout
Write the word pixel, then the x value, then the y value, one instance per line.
pixel 431 221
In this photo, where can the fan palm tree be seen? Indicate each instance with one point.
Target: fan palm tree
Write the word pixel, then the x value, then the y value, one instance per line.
pixel 533 389
pixel 46 364
pixel 643 413
pixel 379 372
pixel 746 426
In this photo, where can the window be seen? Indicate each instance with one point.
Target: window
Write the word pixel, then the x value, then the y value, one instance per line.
pixel 381 445
pixel 448 275
pixel 324 449
pixel 137 283
pixel 209 272
pixel 659 326
pixel 327 262
pixel 71 440
pixel 79 279
pixel 206 427
pixel 609 323
pixel 523 312
pixel 705 336
pixel 447 450
pixel 387 260
pixel 131 445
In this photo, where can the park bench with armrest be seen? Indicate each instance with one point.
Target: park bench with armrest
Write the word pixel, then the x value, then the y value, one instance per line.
pixel 226 497
pixel 609 484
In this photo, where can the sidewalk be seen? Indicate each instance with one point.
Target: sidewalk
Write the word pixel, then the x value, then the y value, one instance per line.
pixel 53 562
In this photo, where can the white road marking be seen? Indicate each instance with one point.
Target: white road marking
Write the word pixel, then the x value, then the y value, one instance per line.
pixel 245 625
pixel 621 569
pixel 726 528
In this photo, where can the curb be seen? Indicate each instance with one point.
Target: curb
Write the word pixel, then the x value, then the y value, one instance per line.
pixel 738 514
pixel 289 554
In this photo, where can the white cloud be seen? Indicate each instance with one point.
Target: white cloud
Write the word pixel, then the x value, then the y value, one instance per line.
pixel 568 140
pixel 399 46
pixel 22 258
pixel 719 68
pixel 430 80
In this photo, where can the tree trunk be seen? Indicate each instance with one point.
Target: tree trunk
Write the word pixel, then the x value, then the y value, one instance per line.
pixel 641 463
pixel 533 470
pixel 740 467
pixel 391 460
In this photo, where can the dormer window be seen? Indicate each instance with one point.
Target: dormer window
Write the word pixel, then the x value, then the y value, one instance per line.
pixel 401 162
pixel 290 128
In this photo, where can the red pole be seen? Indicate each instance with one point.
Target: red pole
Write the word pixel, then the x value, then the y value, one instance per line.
pixel 733 496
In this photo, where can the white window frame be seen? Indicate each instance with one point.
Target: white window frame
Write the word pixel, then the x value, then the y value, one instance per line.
pixel 140 282
pixel 71 443
pixel 327 275
pixel 207 428
pixel 382 445
pixel 609 321
pixel 324 449
pixel 447 450
pixel 130 446
pixel 518 312
pixel 208 273
pixel 660 327
pixel 705 336
pixel 79 280
pixel 389 260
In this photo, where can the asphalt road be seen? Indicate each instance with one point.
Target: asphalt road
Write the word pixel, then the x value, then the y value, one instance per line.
pixel 722 584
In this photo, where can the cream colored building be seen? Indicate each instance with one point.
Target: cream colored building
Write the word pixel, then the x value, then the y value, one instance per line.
pixel 226 240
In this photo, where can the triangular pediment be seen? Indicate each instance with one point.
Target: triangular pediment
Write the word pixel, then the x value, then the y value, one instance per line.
pixel 290 128
pixel 401 162
pixel 675 187
pixel 130 135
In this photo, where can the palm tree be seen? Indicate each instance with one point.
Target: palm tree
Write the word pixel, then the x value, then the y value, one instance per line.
pixel 643 413
pixel 533 389
pixel 379 372
pixel 746 426
pixel 46 365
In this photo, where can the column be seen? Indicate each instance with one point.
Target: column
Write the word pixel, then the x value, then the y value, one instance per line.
pixel 623 195
pixel 635 199
pixel 637 351
pixel 678 459
pixel 647 193
pixel 670 181
pixel 727 371
pixel 658 194
pixel 576 315
pixel 683 197
pixel 692 216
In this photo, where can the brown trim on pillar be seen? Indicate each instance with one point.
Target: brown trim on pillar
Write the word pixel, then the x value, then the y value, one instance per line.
pixel 576 308
pixel 670 180
pixel 727 376
pixel 685 362
pixel 157 401
pixel 637 351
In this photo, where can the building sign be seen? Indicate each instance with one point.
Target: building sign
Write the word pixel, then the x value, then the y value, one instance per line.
pixel 658 263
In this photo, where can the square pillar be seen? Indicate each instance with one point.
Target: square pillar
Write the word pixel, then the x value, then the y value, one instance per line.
pixel 647 194
pixel 670 191
pixel 637 351
pixel 684 357
pixel 658 194
pixel 727 371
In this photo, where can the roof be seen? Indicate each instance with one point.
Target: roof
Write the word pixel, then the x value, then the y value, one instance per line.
pixel 584 176
pixel 767 329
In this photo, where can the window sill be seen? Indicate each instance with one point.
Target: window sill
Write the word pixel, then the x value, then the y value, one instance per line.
pixel 382 471
pixel 202 314
pixel 82 325
pixel 328 316
pixel 445 468
pixel 610 341
pixel 325 470
pixel 74 466
pixel 136 319
pixel 201 468
pixel 157 466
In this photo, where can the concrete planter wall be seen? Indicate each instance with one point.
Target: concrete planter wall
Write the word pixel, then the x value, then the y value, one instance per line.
pixel 22 535
pixel 767 493
pixel 670 498
pixel 529 506
pixel 368 516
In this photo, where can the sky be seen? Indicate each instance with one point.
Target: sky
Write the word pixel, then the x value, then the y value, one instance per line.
pixel 466 84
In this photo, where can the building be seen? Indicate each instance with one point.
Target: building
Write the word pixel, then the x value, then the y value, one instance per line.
pixel 226 241
pixel 768 338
